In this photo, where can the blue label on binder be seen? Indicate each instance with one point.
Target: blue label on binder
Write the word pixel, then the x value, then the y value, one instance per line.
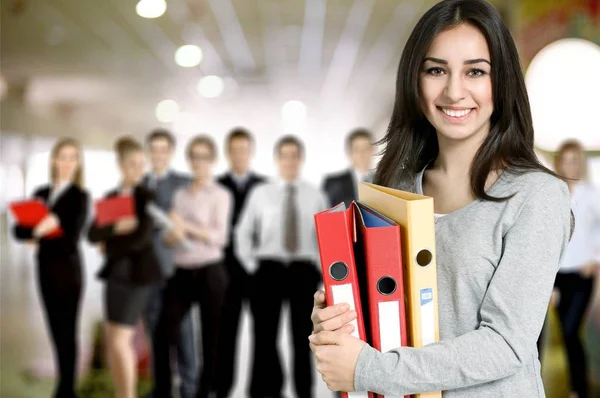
pixel 426 296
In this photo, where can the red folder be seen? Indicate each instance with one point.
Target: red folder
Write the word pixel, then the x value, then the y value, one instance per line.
pixel 111 210
pixel 335 236
pixel 380 238
pixel 29 213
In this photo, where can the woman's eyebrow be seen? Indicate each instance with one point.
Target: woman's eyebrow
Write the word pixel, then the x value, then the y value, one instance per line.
pixel 467 62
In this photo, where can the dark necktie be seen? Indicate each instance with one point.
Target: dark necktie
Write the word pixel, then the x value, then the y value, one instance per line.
pixel 291 220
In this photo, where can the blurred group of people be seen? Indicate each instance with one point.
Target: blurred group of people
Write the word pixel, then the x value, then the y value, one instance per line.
pixel 461 132
pixel 197 239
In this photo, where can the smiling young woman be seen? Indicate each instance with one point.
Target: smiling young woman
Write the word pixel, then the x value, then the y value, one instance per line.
pixel 461 132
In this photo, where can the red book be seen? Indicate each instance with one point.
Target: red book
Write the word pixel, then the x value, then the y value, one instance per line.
pixel 380 238
pixel 335 236
pixel 29 213
pixel 111 210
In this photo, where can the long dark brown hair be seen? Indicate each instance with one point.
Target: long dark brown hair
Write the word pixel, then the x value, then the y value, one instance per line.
pixel 411 141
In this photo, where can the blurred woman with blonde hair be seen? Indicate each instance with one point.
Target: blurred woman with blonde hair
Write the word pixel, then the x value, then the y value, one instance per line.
pixel 575 279
pixel 60 268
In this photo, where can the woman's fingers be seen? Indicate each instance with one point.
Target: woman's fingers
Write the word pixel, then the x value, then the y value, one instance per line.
pixel 336 322
pixel 325 338
pixel 319 299
pixel 324 314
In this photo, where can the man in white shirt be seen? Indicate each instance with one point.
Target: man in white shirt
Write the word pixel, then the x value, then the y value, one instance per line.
pixel 343 187
pixel 284 262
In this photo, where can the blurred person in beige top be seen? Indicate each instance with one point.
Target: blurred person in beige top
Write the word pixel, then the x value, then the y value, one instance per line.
pixel 201 213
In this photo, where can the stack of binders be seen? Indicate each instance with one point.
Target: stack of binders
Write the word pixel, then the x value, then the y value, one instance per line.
pixel 379 257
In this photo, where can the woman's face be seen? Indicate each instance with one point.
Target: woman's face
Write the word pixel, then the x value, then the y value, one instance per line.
pixel 133 166
pixel 455 84
pixel 570 164
pixel 201 160
pixel 66 163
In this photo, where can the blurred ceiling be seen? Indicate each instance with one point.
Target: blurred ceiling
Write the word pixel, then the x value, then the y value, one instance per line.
pixel 99 68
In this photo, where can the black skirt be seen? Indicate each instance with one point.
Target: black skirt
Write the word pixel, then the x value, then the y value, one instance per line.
pixel 125 303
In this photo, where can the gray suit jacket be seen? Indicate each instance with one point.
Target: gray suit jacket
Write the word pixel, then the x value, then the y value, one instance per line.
pixel 164 190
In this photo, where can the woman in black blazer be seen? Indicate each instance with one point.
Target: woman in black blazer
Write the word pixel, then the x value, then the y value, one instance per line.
pixel 130 270
pixel 59 262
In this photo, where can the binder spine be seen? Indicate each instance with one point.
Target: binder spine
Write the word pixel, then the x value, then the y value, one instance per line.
pixel 388 316
pixel 335 239
pixel 423 266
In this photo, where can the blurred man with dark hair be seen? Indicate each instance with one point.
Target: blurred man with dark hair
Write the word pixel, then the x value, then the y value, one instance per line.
pixel 284 264
pixel 239 180
pixel 343 187
pixel 164 182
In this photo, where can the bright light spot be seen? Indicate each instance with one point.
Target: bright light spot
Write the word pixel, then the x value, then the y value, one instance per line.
pixel 210 86
pixel 167 111
pixel 188 56
pixel 563 91
pixel 151 8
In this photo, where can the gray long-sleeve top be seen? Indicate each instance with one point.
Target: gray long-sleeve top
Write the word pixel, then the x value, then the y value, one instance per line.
pixel 496 264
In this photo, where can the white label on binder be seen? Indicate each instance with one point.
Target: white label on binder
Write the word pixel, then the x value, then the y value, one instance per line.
pixel 358 394
pixel 427 316
pixel 389 325
pixel 344 294
pixel 389 330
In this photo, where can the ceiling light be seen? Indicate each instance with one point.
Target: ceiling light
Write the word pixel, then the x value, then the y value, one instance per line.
pixel 188 56
pixel 151 8
pixel 210 86
pixel 167 111
pixel 564 104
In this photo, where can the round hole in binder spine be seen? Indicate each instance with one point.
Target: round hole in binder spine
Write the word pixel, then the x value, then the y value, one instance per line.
pixel 338 271
pixel 424 257
pixel 386 285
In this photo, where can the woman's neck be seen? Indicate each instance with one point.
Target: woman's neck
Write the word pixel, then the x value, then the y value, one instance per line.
pixel 61 182
pixel 127 185
pixel 456 157
pixel 201 181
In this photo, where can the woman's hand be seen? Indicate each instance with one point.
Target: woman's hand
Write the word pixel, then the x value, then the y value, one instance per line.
pixel 335 349
pixel 126 225
pixel 173 237
pixel 337 354
pixel 177 220
pixel 331 318
pixel 47 225
pixel 555 298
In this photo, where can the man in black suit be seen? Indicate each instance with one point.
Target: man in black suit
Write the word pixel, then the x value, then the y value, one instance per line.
pixel 343 187
pixel 240 180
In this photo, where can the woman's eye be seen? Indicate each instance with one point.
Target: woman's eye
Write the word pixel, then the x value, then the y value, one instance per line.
pixel 476 72
pixel 435 71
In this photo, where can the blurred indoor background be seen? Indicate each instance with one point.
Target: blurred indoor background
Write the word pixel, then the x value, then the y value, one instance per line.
pixel 96 70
